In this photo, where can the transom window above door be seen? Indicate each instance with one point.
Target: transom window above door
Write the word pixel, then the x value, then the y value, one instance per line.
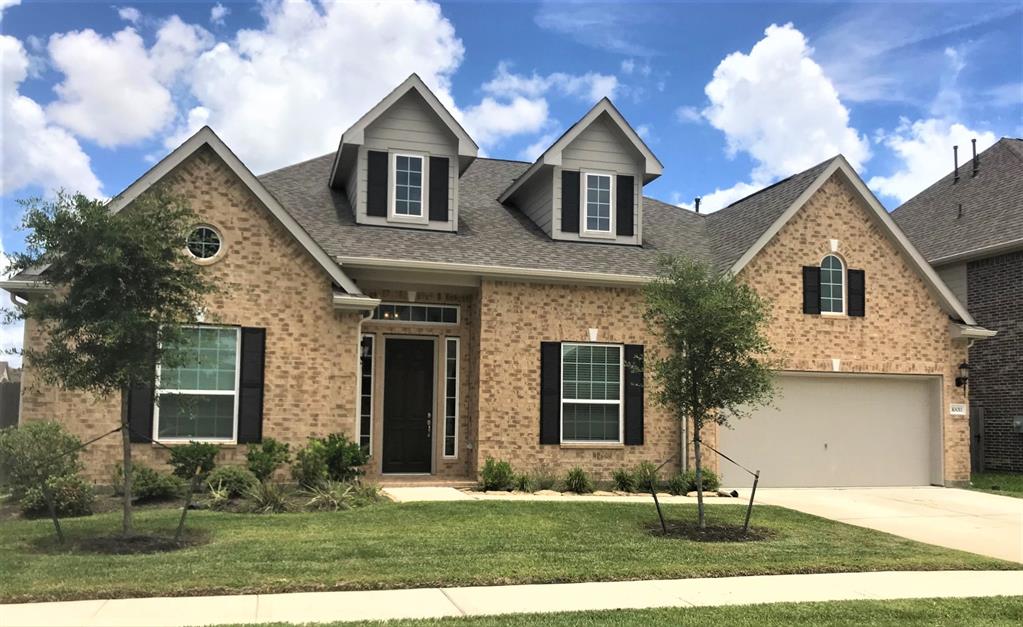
pixel 408 186
pixel 598 203
pixel 832 285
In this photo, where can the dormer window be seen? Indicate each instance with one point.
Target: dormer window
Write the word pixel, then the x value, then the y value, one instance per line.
pixel 408 186
pixel 598 203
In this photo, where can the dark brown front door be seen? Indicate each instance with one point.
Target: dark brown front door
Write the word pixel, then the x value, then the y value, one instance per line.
pixel 408 405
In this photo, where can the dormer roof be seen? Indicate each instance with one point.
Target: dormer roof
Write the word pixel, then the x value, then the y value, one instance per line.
pixel 354 137
pixel 552 156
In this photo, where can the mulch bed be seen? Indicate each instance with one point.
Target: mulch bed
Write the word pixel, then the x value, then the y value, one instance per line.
pixel 711 533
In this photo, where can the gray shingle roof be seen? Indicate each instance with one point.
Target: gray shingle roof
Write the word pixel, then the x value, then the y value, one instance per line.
pixel 490 233
pixel 992 206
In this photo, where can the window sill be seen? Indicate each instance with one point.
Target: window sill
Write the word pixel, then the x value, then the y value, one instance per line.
pixel 173 443
pixel 592 445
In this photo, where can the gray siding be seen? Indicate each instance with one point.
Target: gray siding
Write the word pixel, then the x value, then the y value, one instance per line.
pixel 536 199
pixel 409 126
pixel 601 148
pixel 954 276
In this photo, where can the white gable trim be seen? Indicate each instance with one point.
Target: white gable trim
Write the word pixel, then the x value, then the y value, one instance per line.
pixel 206 137
pixel 552 156
pixel 945 296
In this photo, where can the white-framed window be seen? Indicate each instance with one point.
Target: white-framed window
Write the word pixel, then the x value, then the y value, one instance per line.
pixel 597 202
pixel 366 392
pixel 592 380
pixel 197 397
pixel 451 397
pixel 204 242
pixel 415 312
pixel 409 190
pixel 832 285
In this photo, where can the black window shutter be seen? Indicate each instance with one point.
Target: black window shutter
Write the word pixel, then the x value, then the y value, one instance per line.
pixel 376 183
pixel 550 392
pixel 811 290
pixel 633 394
pixel 439 188
pixel 569 201
pixel 140 413
pixel 625 211
pixel 250 392
pixel 857 293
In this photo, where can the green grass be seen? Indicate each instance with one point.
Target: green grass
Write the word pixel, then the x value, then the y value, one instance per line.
pixel 1008 484
pixel 441 544
pixel 972 611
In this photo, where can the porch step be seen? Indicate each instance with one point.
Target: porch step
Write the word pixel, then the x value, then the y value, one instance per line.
pixel 424 481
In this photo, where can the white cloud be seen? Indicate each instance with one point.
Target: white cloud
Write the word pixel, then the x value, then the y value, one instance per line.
pixel 777 105
pixel 591 86
pixel 643 130
pixel 129 14
pixel 291 76
pixel 720 198
pixel 177 47
pixel 33 152
pixel 628 66
pixel 11 335
pixel 535 149
pixel 924 148
pixel 491 121
pixel 218 13
pixel 110 92
pixel 6 4
pixel 602 25
pixel 688 114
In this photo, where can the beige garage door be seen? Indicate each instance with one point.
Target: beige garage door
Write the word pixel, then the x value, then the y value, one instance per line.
pixel 840 430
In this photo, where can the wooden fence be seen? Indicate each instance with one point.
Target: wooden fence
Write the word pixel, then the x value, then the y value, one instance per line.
pixel 10 402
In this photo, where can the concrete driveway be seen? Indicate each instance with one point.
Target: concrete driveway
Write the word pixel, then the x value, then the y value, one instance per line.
pixel 977 522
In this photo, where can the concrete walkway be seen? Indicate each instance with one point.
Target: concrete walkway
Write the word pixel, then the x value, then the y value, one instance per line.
pixel 988 524
pixel 319 607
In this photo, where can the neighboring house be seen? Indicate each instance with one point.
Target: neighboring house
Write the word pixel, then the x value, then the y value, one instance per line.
pixel 443 308
pixel 969 226
pixel 9 374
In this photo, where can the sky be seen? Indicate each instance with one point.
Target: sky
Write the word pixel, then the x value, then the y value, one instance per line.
pixel 730 96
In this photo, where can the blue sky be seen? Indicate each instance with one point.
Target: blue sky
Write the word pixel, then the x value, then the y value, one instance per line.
pixel 730 96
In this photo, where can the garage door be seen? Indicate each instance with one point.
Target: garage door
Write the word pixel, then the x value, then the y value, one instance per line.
pixel 840 430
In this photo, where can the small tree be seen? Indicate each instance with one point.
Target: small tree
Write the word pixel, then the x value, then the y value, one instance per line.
pixel 713 362
pixel 121 287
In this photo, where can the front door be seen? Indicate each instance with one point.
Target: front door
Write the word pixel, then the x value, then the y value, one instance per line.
pixel 408 404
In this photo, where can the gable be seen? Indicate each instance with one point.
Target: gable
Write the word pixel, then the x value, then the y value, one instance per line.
pixel 602 145
pixel 411 124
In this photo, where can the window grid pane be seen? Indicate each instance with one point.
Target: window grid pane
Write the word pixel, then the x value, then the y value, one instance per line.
pixel 591 392
pixel 366 393
pixel 832 278
pixel 197 395
pixel 451 398
pixel 598 202
pixel 408 186
pixel 437 314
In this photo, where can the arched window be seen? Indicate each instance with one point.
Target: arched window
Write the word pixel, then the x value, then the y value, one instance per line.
pixel 832 285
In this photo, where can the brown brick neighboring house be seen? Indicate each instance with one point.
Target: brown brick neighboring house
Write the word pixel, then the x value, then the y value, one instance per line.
pixel 969 226
pixel 443 308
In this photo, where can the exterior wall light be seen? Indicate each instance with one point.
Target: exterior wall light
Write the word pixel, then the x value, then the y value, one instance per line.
pixel 964 375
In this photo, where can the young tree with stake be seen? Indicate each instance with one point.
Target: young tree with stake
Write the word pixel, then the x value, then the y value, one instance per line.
pixel 713 361
pixel 120 287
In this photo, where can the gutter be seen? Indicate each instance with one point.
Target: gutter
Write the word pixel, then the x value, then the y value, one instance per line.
pixel 970 331
pixel 347 302
pixel 977 253
pixel 24 286
pixel 496 272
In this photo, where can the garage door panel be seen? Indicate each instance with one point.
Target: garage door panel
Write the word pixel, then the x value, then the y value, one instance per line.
pixel 838 430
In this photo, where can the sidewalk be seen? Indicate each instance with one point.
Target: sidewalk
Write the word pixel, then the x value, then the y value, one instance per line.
pixel 313 607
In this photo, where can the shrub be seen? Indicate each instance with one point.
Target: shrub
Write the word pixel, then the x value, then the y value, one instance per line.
pixel 72 496
pixel 265 458
pixel 219 497
pixel 496 475
pixel 523 483
pixel 310 467
pixel 624 480
pixel 646 477
pixel 35 453
pixel 268 498
pixel 194 459
pixel 686 482
pixel 578 481
pixel 543 477
pixel 235 479
pixel 149 485
pixel 336 496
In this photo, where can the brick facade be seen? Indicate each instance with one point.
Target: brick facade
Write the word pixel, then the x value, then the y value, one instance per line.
pixel 996 364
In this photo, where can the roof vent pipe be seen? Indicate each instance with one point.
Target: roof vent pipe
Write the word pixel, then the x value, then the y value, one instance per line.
pixel 976 161
pixel 955 160
pixel 697 203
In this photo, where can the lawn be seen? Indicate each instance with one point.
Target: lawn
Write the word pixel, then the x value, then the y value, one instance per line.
pixel 1004 483
pixel 440 544
pixel 972 611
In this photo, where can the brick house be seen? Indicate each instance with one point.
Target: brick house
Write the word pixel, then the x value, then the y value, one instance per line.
pixel 443 308
pixel 969 226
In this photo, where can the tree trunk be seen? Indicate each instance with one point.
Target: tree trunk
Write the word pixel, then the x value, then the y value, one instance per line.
pixel 127 524
pixel 699 474
pixel 192 485
pixel 52 506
